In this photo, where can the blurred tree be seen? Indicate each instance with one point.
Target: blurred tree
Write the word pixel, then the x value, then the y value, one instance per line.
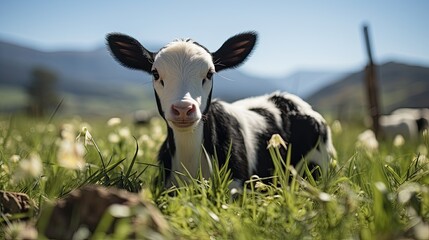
pixel 42 93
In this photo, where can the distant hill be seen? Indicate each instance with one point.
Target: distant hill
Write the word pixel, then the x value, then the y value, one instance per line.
pixel 400 85
pixel 93 83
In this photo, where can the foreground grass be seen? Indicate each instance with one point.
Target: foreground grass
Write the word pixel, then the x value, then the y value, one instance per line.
pixel 379 193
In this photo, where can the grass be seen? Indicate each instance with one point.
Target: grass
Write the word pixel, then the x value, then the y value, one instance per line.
pixel 380 194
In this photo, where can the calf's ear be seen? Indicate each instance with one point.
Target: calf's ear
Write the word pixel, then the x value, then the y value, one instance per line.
pixel 129 52
pixel 234 51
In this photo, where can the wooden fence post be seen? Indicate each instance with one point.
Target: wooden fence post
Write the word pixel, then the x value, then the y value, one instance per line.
pixel 372 87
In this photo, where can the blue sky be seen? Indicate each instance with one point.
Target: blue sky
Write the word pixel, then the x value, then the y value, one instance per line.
pixel 294 35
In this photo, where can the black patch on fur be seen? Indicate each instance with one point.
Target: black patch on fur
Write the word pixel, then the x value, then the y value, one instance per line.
pixel 209 99
pixel 158 104
pixel 303 132
pixel 166 152
pixel 305 135
pixel 285 105
pixel 422 124
pixel 264 165
pixel 222 131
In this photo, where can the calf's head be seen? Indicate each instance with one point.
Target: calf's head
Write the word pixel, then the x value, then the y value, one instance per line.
pixel 182 72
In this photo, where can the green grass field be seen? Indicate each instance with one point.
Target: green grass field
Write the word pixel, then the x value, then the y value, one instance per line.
pixel 370 192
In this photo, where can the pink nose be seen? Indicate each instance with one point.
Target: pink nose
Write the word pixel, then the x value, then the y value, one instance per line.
pixel 183 109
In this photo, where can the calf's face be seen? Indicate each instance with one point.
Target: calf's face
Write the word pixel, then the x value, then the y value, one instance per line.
pixel 182 79
pixel 182 72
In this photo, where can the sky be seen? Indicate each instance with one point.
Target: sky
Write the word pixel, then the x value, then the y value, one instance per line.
pixel 293 35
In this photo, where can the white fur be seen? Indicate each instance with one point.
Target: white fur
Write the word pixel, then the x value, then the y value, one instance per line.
pixel 408 112
pixel 261 102
pixel 190 156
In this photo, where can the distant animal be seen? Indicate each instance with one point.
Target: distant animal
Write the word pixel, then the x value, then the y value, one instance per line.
pixel 419 115
pixel 393 125
pixel 143 116
pixel 407 122
pixel 199 128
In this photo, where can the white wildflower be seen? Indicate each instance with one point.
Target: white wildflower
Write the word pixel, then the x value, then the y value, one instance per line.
pixel 14 158
pixel 381 187
pixel 261 186
pixel 421 230
pixel 31 166
pixel 422 159
pixel 4 169
pixel 70 154
pixel 213 216
pixel 333 164
pixel 146 141
pixel 145 138
pixel 367 140
pixel 157 132
pixel 422 149
pixel 124 132
pixel 276 141
pixel 119 210
pixel 336 127
pixel 114 122
pixel 113 138
pixel 325 197
pixel 19 230
pixel 140 153
pixel 398 141
pixel 67 131
pixel 87 135
pixel 407 191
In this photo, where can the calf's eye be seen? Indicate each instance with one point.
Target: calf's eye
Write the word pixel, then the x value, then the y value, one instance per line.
pixel 209 75
pixel 155 74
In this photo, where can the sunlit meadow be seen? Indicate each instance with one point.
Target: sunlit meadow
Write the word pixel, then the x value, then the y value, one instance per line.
pixel 374 190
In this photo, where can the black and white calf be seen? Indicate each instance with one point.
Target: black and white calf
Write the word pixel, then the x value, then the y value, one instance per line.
pixel 199 128
pixel 407 122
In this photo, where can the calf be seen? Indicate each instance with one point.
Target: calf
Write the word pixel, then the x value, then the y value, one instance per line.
pixel 199 128
pixel 393 125
pixel 419 115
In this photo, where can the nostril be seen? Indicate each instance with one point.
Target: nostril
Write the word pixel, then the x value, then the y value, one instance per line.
pixel 191 110
pixel 175 111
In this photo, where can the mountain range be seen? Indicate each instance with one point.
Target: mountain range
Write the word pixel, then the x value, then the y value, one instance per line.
pixel 91 82
pixel 399 85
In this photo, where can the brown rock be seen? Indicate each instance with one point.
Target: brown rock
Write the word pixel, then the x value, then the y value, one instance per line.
pixel 85 207
pixel 15 202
